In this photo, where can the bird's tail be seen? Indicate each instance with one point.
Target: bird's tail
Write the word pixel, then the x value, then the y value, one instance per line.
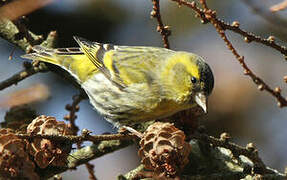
pixel 71 59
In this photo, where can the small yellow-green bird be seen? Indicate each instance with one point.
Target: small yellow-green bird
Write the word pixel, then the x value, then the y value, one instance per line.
pixel 133 84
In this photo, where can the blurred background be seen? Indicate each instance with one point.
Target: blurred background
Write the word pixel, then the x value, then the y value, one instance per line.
pixel 236 106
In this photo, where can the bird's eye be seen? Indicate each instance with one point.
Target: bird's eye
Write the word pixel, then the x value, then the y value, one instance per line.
pixel 193 80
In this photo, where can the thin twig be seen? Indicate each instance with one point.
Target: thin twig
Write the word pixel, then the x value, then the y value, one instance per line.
pixel 73 108
pixel 12 53
pixel 22 75
pixel 208 15
pixel 81 138
pixel 251 37
pixel 251 152
pixel 163 30
pixel 247 71
pixel 90 168
pixel 204 4
pixel 211 16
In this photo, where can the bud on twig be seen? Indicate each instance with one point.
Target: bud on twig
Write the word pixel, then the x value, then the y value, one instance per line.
pixel 235 24
pixel 271 39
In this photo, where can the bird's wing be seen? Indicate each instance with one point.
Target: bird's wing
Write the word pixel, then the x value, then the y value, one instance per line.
pixel 123 65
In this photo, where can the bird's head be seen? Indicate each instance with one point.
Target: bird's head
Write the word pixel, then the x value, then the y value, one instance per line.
pixel 188 79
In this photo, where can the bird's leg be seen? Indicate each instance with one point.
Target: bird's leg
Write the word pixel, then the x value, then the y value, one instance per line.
pixel 124 129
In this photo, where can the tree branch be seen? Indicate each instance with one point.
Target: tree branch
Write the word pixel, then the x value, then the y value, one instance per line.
pixel 9 32
pixel 208 15
pixel 84 155
pixel 249 151
pixel 213 158
pixel 27 72
pixel 235 28
pixel 163 30
pixel 77 139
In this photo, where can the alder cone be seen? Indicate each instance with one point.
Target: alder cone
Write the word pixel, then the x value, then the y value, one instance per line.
pixel 163 149
pixel 46 151
pixel 14 158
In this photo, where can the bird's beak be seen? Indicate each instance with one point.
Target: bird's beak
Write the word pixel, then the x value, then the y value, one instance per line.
pixel 201 100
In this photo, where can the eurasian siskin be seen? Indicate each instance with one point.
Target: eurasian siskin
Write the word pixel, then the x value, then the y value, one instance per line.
pixel 133 84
